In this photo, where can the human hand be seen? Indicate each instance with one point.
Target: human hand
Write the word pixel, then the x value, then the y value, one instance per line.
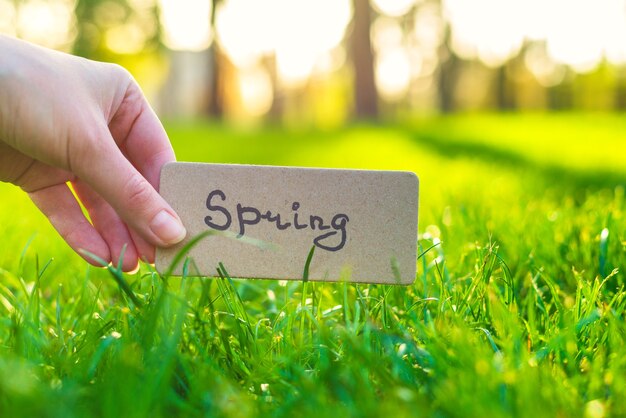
pixel 67 120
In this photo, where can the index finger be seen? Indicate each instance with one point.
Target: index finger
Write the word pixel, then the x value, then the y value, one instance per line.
pixel 140 135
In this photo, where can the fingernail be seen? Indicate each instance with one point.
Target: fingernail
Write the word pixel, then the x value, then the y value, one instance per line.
pixel 168 228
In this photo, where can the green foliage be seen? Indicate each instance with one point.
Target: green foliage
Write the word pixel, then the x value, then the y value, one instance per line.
pixel 518 308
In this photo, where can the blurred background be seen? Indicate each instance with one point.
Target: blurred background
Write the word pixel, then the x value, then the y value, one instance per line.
pixel 510 111
pixel 323 63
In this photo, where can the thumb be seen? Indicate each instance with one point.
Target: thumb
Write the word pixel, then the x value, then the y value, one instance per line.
pixel 135 200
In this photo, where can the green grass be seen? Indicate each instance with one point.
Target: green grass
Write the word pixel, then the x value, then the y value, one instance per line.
pixel 518 308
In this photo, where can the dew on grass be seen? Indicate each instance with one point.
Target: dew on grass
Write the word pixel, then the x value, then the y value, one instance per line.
pixel 604 235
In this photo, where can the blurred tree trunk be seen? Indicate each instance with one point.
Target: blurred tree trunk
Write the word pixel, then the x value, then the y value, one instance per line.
pixel 620 89
pixel 561 96
pixel 275 113
pixel 215 104
pixel 447 75
pixel 365 93
pixel 505 86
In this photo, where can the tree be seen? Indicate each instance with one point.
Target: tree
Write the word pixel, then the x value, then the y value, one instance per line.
pixel 215 108
pixel 447 74
pixel 365 93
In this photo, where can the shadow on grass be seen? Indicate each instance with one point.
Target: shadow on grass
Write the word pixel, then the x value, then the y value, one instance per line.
pixel 553 174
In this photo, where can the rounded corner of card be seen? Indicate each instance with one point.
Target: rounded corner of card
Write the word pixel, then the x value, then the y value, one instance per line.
pixel 414 177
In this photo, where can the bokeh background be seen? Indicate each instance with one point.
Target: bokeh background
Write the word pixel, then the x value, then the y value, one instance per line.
pixel 324 63
pixel 511 112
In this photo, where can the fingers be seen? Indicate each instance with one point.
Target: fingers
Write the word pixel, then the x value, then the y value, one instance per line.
pixel 62 210
pixel 111 228
pixel 142 139
pixel 139 133
pixel 135 200
pixel 144 249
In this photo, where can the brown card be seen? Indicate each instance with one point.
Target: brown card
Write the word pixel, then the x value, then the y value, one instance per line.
pixel 363 224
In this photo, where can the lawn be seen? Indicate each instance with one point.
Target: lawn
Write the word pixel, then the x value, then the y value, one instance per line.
pixel 518 308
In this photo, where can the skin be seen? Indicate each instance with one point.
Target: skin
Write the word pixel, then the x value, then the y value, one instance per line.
pixel 70 123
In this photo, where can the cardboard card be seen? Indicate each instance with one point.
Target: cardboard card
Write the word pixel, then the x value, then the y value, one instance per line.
pixel 263 222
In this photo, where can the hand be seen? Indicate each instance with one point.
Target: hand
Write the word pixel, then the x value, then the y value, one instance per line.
pixel 65 120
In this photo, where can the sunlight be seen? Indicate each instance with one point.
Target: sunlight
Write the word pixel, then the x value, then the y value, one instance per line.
pixel 393 7
pixel 305 38
pixel 386 33
pixel 588 33
pixel 393 73
pixel 489 30
pixel 245 46
pixel 547 72
pixel 7 17
pixel 287 28
pixel 300 43
pixel 615 47
pixel 331 61
pixel 578 33
pixel 186 24
pixel 255 88
pixel 394 65
pixel 578 39
pixel 47 23
pixel 429 27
